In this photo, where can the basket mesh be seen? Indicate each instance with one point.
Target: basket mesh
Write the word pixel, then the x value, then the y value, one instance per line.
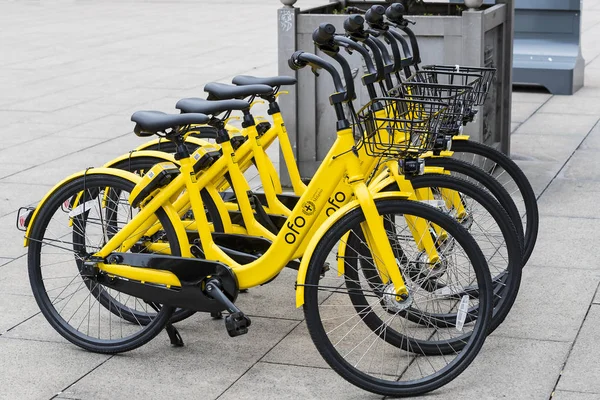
pixel 394 127
pixel 456 74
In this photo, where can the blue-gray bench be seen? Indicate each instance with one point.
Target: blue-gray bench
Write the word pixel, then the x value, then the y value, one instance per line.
pixel 547 51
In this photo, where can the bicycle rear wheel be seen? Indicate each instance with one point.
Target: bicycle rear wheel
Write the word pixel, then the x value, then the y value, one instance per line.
pixel 71 225
pixel 361 354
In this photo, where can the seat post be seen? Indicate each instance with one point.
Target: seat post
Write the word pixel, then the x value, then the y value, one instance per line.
pixel 222 134
pixel 181 149
pixel 248 119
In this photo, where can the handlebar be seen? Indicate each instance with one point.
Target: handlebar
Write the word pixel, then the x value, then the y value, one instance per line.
pixel 323 38
pixel 301 59
pixel 395 14
pixel 354 23
pixel 340 39
pixel 323 35
pixel 374 17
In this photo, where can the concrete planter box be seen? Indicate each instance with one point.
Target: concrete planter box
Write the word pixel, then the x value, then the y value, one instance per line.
pixel 477 38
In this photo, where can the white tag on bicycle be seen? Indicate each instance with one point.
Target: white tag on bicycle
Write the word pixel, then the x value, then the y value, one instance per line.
pixel 449 290
pixel 457 68
pixel 434 203
pixel 80 209
pixel 463 309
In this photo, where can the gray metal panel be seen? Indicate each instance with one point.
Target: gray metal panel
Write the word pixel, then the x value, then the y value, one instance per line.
pixel 286 45
pixel 574 5
pixel 306 111
pixel 547 45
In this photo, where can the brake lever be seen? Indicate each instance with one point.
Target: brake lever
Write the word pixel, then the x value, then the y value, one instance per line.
pixel 314 71
pixel 346 47
pixel 410 22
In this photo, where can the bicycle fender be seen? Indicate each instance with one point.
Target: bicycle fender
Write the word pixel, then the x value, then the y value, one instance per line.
pixel 461 137
pixel 141 153
pixel 92 171
pixel 318 235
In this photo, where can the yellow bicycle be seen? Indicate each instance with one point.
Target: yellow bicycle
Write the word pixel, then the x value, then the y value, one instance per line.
pixel 87 269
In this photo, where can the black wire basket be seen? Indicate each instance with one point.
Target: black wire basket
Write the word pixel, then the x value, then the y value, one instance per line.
pixel 460 101
pixel 480 78
pixel 396 127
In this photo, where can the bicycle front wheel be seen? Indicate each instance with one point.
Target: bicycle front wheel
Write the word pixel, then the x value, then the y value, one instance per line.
pixel 359 352
pixel 509 175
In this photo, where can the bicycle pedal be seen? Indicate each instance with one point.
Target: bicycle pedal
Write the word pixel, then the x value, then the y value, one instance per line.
pixel 174 336
pixel 237 324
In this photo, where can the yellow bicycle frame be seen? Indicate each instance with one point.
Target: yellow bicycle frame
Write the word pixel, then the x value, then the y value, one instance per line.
pixel 340 164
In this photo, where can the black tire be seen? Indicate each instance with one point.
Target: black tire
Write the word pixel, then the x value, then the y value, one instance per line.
pixel 321 313
pixel 477 176
pixel 140 165
pixel 494 162
pixel 44 269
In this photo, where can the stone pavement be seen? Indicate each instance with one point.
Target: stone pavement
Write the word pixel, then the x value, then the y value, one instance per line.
pixel 71 74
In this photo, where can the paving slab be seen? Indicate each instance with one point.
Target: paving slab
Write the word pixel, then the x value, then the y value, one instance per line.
pixel 57 170
pixel 582 369
pixel 553 124
pixel 53 101
pixel 205 367
pixel 38 150
pixel 530 96
pixel 564 241
pixel 570 198
pixel 105 128
pixel 592 142
pixel 276 299
pixel 15 195
pixel 37 370
pixel 18 134
pixel 297 349
pixel 11 168
pixel 539 173
pixel 542 148
pixel 11 238
pixel 567 395
pixel 521 111
pixel 567 105
pixel 15 309
pixel 276 381
pixel 509 368
pixel 539 315
pixel 584 165
pixel 14 276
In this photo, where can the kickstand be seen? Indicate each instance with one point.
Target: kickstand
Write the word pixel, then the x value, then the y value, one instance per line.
pixel 174 336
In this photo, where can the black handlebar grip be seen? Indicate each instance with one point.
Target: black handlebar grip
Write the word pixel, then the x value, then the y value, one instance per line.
pixel 295 63
pixel 374 15
pixel 395 12
pixel 354 23
pixel 323 34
